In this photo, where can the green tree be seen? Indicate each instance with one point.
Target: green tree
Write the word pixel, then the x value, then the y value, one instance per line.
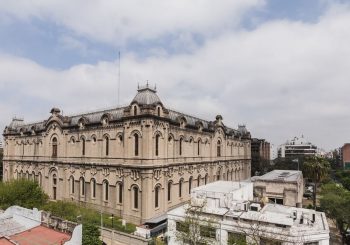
pixel 91 235
pixel 316 169
pixel 195 229
pixel 335 202
pixel 1 166
pixel 22 192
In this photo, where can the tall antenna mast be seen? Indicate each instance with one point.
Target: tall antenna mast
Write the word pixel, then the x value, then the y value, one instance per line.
pixel 118 78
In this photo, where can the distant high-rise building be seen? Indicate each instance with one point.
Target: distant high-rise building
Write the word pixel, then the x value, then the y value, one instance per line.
pixel 345 155
pixel 297 147
pixel 260 149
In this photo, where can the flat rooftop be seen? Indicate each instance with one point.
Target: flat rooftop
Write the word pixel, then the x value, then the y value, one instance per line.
pixel 222 186
pixel 280 175
pixel 40 235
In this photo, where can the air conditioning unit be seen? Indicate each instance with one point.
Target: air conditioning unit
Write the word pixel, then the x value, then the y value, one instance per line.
pixel 255 207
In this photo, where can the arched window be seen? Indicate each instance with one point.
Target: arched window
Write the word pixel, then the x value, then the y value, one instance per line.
pixel 198 147
pixel 120 192
pixel 136 144
pixel 219 148
pixel 71 180
pixel 156 196
pixel 135 190
pixel 135 110
pixel 190 185
pixel 169 190
pixel 206 179
pixel 54 147
pixel 40 179
pixel 157 144
pixel 107 145
pixel 105 190
pixel 180 187
pixel 158 111
pixel 199 180
pixel 82 186
pixel 83 146
pixel 227 175
pixel 218 175
pixel 180 147
pixel 54 186
pixel 93 188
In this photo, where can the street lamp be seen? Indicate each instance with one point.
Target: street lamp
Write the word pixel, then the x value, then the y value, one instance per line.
pixel 112 217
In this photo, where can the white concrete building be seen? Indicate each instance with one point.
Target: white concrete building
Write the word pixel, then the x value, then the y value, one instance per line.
pixel 297 147
pixel 20 225
pixel 284 187
pixel 226 213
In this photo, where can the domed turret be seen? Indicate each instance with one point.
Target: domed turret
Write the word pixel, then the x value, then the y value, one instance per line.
pixel 146 96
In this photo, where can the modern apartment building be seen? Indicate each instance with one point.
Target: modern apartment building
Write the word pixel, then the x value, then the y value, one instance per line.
pixel 297 147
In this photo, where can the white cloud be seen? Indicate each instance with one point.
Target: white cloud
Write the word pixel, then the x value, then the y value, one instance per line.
pixel 282 79
pixel 117 22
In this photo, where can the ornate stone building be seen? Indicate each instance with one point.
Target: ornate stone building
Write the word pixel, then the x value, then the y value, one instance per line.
pixel 136 162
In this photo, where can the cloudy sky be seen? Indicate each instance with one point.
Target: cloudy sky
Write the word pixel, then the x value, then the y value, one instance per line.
pixel 280 67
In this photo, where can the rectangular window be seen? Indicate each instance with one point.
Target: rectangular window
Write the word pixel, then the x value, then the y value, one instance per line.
pixel 209 232
pixel 182 227
pixel 266 241
pixel 136 198
pixel 236 238
pixel 120 200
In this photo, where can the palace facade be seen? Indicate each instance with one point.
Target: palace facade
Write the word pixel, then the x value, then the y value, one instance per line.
pixel 136 162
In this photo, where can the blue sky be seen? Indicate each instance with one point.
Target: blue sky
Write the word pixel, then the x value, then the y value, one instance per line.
pixel 278 66
pixel 43 41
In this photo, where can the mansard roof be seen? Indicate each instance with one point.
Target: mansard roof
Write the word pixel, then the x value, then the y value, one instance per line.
pixel 145 97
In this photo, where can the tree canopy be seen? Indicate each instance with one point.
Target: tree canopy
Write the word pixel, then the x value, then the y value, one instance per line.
pixel 335 202
pixel 22 192
pixel 316 169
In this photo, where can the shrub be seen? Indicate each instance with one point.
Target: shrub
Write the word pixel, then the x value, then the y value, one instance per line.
pixel 22 192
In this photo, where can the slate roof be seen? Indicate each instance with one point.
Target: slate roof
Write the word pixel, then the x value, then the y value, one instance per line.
pixel 145 96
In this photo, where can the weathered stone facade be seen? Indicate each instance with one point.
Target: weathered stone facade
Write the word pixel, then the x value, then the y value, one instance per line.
pixel 136 162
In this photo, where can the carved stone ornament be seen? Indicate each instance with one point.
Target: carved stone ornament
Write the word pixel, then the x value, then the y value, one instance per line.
pixel 120 172
pixel 199 167
pixel 82 171
pixel 72 169
pixel 157 174
pixel 190 169
pixel 181 170
pixel 105 172
pixel 93 171
pixel 169 173
pixel 135 175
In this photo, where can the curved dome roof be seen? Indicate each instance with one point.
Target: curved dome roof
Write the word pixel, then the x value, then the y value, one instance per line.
pixel 146 96
pixel 16 122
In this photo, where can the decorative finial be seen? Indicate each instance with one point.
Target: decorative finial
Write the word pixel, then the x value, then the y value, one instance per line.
pixel 155 86
pixel 147 84
pixel 138 85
